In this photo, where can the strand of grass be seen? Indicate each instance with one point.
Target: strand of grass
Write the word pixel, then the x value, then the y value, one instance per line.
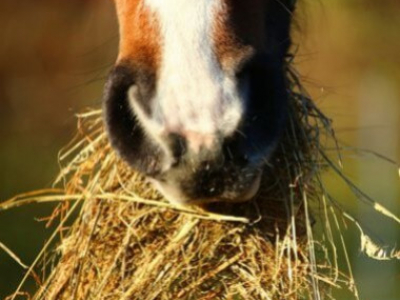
pixel 43 288
pixel 332 283
pixel 70 148
pixel 358 192
pixel 13 255
pixel 86 250
pixel 160 286
pixel 90 113
pixel 330 238
pixel 77 142
pixel 295 183
pixel 87 149
pixel 108 272
pixel 34 193
pixel 45 247
pixel 353 286
pixel 10 204
pixel 255 282
pixel 280 249
pixel 332 202
pixel 22 294
pixel 369 247
pixel 125 189
pixel 294 238
pixel 335 205
pixel 26 199
pixel 310 242
pixel 181 209
pixel 89 191
pixel 291 231
pixel 327 127
pixel 155 262
pixel 212 274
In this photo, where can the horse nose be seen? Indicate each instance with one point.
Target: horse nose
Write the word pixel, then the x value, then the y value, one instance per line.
pixel 197 177
pixel 177 129
pixel 198 140
pixel 207 182
pixel 194 148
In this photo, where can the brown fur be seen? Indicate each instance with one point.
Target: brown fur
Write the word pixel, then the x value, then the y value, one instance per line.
pixel 237 33
pixel 139 34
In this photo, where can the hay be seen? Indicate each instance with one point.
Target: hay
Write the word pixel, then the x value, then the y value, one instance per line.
pixel 129 243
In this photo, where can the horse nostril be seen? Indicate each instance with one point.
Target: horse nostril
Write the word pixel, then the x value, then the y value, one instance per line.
pixel 236 155
pixel 177 146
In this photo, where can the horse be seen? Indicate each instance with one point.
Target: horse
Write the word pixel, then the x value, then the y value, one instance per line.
pixel 197 100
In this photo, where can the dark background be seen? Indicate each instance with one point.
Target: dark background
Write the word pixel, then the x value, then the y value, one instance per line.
pixel 54 56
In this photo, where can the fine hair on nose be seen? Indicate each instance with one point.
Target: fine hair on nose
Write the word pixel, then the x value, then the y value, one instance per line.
pixel 204 156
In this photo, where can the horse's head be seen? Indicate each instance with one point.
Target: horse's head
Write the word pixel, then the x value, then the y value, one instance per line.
pixel 197 99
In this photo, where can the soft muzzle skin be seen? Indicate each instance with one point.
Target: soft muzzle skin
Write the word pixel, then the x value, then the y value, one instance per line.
pixel 202 124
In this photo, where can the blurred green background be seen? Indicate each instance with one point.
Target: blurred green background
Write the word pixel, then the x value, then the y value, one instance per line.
pixel 54 56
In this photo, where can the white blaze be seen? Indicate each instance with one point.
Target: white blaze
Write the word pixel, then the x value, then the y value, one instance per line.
pixel 194 96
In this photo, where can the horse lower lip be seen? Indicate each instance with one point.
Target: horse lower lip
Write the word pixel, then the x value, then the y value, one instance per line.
pixel 175 196
pixel 252 190
pixel 247 195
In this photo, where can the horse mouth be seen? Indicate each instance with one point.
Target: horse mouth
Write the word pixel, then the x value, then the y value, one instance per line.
pixel 178 197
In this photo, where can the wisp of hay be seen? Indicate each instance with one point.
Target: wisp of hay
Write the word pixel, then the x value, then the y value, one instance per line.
pixel 129 243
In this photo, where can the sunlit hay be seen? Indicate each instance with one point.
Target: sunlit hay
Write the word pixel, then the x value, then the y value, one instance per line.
pixel 129 243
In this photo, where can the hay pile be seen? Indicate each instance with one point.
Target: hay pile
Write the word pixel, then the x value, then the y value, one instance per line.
pixel 129 243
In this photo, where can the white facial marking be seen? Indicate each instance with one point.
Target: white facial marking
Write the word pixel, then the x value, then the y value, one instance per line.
pixel 194 96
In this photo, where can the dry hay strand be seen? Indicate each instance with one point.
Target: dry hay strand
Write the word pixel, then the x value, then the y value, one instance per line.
pixel 129 243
